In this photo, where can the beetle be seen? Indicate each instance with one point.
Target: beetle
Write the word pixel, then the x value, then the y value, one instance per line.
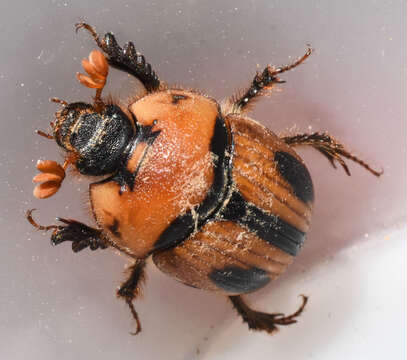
pixel 217 200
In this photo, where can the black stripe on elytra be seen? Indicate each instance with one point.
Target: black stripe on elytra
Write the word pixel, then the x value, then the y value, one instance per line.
pixel 268 227
pixel 184 225
pixel 296 174
pixel 234 279
pixel 124 177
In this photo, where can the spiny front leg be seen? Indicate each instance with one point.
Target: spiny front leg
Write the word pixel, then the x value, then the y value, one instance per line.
pixel 126 59
pixel 131 289
pixel 257 320
pixel 81 235
pixel 330 148
pixel 263 81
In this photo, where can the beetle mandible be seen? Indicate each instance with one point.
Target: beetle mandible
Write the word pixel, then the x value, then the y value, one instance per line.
pixel 219 201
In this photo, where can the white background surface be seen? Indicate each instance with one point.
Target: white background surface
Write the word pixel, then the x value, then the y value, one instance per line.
pixel 56 304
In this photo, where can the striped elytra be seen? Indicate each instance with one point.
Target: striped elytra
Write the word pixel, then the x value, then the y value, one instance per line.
pixel 206 259
pixel 258 174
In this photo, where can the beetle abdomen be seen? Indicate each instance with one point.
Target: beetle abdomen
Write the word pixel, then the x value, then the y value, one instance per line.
pixel 225 257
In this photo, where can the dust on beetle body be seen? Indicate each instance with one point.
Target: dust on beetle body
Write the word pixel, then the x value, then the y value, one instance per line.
pixel 219 201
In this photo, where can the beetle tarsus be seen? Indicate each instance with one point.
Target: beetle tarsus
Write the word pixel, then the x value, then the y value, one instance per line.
pixel 330 148
pixel 91 30
pixel 81 235
pixel 35 224
pixel 135 316
pixel 131 288
pixel 265 80
pixel 257 320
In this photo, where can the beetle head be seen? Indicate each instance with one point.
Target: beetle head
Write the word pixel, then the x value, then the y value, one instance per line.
pixel 96 140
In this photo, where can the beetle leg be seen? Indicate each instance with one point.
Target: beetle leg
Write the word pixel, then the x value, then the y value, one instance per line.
pixel 263 81
pixel 126 59
pixel 131 288
pixel 330 148
pixel 81 235
pixel 257 320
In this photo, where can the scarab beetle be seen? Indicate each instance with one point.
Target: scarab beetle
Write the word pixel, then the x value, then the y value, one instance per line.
pixel 220 202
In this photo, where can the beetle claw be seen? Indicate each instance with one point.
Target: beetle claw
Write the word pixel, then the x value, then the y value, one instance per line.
pixel 257 320
pixel 135 316
pixel 81 235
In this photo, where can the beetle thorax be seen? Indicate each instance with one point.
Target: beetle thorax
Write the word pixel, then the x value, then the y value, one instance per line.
pixel 170 169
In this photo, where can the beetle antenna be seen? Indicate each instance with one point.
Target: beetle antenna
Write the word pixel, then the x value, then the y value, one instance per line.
pixel 97 68
pixel 50 178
